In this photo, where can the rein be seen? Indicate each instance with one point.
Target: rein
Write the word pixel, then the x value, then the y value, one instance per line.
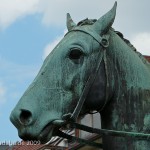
pixel 101 132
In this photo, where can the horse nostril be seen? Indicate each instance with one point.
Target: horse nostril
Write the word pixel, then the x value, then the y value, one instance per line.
pixel 25 117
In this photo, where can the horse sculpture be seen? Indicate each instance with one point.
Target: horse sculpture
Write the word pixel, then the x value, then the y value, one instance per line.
pixel 96 63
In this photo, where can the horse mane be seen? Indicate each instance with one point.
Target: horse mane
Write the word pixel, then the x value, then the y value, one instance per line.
pixel 92 21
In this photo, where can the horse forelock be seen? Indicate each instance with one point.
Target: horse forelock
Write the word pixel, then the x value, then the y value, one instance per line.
pixel 86 22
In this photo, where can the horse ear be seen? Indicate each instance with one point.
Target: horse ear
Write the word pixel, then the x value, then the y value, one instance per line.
pixel 103 24
pixel 70 22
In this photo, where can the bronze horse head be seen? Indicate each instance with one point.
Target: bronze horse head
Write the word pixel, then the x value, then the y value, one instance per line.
pixel 120 91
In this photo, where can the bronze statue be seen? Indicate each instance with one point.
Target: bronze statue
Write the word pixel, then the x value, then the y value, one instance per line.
pixel 97 67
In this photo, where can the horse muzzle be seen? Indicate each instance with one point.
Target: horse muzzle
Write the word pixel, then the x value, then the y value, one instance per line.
pixel 30 133
pixel 35 131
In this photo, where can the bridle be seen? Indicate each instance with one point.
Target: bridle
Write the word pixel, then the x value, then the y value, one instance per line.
pixel 70 118
pixel 104 42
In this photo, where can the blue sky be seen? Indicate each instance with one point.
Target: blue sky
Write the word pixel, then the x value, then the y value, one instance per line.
pixel 29 29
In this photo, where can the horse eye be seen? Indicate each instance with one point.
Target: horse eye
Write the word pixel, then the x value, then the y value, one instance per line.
pixel 75 54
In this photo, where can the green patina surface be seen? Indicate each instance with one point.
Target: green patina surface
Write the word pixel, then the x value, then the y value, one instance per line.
pixel 122 86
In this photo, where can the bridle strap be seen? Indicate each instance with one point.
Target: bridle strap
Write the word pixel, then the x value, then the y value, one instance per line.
pixel 107 83
pixel 86 89
pixel 90 32
pixel 103 41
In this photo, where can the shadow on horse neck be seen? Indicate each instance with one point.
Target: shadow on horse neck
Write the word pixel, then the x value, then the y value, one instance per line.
pixel 129 107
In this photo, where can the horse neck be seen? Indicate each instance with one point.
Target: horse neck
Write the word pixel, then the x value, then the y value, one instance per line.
pixel 131 83
pixel 128 109
pixel 131 70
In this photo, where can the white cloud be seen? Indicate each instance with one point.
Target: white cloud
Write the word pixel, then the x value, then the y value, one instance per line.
pixel 54 12
pixel 2 93
pixel 52 45
pixel 11 10
pixel 142 43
